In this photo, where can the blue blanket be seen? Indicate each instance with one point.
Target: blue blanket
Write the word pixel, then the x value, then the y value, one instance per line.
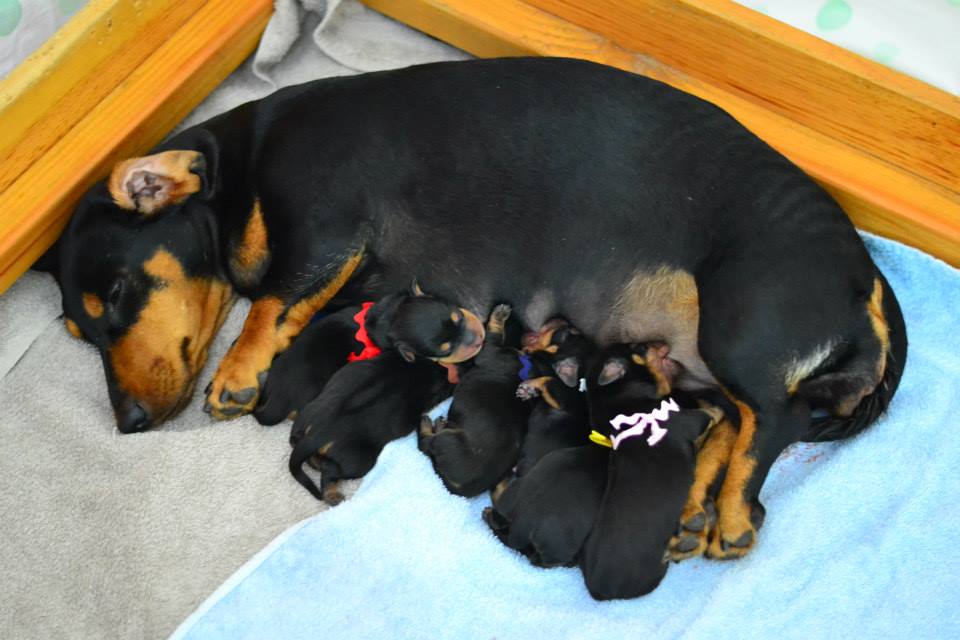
pixel 857 541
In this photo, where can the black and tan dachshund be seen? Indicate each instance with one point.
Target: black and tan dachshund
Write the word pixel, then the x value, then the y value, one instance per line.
pixel 477 444
pixel 414 323
pixel 652 433
pixel 637 211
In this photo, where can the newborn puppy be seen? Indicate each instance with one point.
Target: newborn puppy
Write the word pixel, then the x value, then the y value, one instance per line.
pixel 650 472
pixel 365 405
pixel 478 443
pixel 558 418
pixel 369 402
pixel 547 514
pixel 410 321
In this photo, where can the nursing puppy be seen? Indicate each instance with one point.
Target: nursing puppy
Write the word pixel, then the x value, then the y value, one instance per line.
pixel 369 402
pixel 478 443
pixel 558 418
pixel 547 514
pixel 409 320
pixel 651 470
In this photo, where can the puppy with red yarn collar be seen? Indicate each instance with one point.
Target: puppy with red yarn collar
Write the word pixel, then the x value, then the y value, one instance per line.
pixel 412 322
pixel 372 400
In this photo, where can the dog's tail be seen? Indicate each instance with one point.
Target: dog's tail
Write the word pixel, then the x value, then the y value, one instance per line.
pixel 872 406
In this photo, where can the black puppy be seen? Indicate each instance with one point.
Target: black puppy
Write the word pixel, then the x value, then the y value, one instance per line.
pixel 651 470
pixel 370 402
pixel 413 322
pixel 478 443
pixel 365 405
pixel 547 514
pixel 558 418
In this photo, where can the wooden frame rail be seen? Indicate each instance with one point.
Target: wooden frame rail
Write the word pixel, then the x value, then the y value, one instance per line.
pixel 110 84
pixel 885 145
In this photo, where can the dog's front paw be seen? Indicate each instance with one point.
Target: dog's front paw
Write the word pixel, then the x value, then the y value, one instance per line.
pixel 696 523
pixel 736 532
pixel 234 390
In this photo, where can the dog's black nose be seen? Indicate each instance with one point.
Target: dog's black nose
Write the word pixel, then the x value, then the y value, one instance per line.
pixel 133 418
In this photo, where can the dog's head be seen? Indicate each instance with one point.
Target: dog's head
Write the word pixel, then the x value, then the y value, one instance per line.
pixel 421 325
pixel 139 272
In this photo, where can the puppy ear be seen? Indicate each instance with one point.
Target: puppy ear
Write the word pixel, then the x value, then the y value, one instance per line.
pixel 406 352
pixel 613 370
pixel 415 288
pixel 568 370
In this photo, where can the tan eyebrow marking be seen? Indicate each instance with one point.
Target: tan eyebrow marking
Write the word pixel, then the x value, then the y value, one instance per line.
pixel 92 305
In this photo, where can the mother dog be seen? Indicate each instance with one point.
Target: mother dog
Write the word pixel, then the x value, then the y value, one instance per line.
pixel 639 212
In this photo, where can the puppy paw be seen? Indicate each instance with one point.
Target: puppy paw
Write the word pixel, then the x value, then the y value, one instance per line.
pixel 736 532
pixel 500 313
pixel 527 391
pixel 332 495
pixel 234 391
pixel 696 523
pixel 498 318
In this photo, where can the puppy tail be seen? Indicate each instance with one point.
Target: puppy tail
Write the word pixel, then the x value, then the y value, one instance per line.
pixel 300 454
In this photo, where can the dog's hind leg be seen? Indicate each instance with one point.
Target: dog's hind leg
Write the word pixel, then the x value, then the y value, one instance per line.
pixel 699 514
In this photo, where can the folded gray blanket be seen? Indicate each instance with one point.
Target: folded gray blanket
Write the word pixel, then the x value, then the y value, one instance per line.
pixel 121 536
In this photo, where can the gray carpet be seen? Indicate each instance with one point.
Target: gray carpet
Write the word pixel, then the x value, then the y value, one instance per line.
pixel 122 536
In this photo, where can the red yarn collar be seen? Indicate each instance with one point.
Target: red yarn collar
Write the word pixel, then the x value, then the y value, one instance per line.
pixel 370 350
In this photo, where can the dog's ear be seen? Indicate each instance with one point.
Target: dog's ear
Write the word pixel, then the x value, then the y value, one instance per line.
pixel 415 289
pixel 568 370
pixel 406 352
pixel 613 370
pixel 150 183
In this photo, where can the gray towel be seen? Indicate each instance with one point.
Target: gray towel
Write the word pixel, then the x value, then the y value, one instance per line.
pixel 121 536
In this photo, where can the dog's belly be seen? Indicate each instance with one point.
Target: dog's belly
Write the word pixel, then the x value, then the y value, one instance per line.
pixel 661 304
pixel 611 303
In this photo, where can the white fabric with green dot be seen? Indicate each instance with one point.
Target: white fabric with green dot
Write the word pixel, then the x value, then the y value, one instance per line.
pixel 27 24
pixel 918 37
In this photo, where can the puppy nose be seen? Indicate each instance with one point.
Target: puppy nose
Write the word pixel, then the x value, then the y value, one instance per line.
pixel 469 337
pixel 133 418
